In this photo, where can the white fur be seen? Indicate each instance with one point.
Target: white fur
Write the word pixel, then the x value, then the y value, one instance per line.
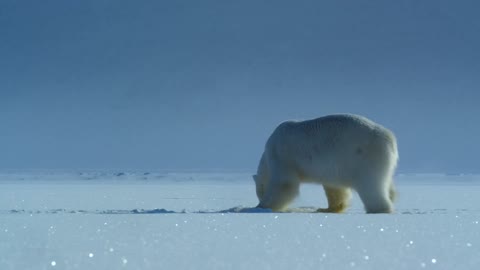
pixel 342 152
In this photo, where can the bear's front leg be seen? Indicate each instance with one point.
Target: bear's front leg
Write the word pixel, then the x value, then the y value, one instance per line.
pixel 338 199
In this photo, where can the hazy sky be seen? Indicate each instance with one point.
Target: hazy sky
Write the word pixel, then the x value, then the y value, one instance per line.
pixel 201 84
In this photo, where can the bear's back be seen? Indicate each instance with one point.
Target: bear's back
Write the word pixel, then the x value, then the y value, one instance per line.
pixel 329 129
pixel 330 141
pixel 336 123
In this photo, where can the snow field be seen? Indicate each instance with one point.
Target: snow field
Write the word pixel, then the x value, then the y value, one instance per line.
pixel 172 224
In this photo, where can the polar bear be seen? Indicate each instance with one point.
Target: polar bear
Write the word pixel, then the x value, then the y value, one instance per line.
pixel 342 152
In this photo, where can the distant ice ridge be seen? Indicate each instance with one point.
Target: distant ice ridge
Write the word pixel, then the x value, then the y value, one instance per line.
pixel 121 175
pixel 200 177
pixel 434 178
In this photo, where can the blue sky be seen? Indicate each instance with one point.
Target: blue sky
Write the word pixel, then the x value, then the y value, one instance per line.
pixel 201 84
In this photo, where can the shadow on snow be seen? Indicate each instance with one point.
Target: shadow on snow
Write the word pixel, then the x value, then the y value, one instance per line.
pixel 233 210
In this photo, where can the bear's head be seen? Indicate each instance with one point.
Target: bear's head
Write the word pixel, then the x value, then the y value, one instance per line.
pixel 275 195
pixel 260 186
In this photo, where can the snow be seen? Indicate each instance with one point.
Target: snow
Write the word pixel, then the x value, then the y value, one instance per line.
pixel 138 220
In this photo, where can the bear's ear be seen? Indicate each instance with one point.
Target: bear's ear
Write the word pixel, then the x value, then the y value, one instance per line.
pixel 254 177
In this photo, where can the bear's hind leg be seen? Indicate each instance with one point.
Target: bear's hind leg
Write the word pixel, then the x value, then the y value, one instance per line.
pixel 375 197
pixel 338 199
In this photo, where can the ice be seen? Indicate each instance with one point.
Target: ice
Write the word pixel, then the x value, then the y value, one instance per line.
pixel 133 220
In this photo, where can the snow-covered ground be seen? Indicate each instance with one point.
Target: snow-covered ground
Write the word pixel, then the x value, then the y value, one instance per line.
pixel 118 220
